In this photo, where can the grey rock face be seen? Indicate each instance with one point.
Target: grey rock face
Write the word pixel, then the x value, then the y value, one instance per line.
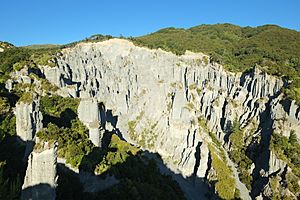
pixel 41 177
pixel 28 119
pixel 159 98
pixel 53 75
pixel 286 116
pixel 89 114
pixel 88 111
pixel 9 84
pixel 276 165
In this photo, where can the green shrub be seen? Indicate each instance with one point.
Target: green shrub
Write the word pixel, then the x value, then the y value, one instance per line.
pixel 55 105
pixel 139 176
pixel 293 90
pixel 225 185
pixel 238 153
pixel 287 149
pixel 73 143
pixel 16 58
pixel 121 151
pixel 11 56
pixel 47 86
pixel 8 124
pixel 4 105
pixel 293 183
pixel 26 97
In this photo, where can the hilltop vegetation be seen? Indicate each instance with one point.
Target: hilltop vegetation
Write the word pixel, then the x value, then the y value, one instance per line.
pixel 5 45
pixel 42 46
pixel 93 38
pixel 276 50
pixel 235 47
pixel 18 57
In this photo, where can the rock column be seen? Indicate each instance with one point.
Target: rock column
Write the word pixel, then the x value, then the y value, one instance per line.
pixel 41 176
pixel 28 118
pixel 89 114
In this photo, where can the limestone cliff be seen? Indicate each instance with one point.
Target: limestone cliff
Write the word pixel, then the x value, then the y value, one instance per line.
pixel 28 117
pixel 169 104
pixel 41 177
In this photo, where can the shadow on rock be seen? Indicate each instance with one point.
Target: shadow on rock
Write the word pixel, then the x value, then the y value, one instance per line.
pixel 63 121
pixel 40 191
pixel 114 172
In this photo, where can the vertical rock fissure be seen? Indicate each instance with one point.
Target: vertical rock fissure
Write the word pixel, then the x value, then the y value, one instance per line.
pixel 222 121
pixel 262 161
pixel 197 158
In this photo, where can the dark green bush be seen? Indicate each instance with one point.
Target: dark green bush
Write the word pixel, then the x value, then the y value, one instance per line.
pixel 73 143
pixel 55 105
pixel 287 149
pixel 238 153
pixel 63 126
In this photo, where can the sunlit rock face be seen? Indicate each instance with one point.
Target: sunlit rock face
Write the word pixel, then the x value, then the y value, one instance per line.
pixel 28 118
pixel 89 114
pixel 160 100
pixel 41 175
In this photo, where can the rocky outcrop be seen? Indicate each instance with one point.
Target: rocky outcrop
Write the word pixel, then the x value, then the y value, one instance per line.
pixel 9 85
pixel 286 116
pixel 21 76
pixel 41 177
pixel 160 100
pixel 89 114
pixel 88 111
pixel 28 118
pixel 276 165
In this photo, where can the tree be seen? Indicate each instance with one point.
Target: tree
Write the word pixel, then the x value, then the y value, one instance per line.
pixel 293 138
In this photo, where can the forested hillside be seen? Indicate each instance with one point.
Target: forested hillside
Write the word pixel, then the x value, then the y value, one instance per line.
pixel 276 50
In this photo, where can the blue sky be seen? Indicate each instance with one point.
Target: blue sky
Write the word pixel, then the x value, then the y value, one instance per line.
pixel 25 22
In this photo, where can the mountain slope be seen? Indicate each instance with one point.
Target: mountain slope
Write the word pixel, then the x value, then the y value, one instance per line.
pixel 276 50
pixel 186 108
pixel 113 106
pixel 236 47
